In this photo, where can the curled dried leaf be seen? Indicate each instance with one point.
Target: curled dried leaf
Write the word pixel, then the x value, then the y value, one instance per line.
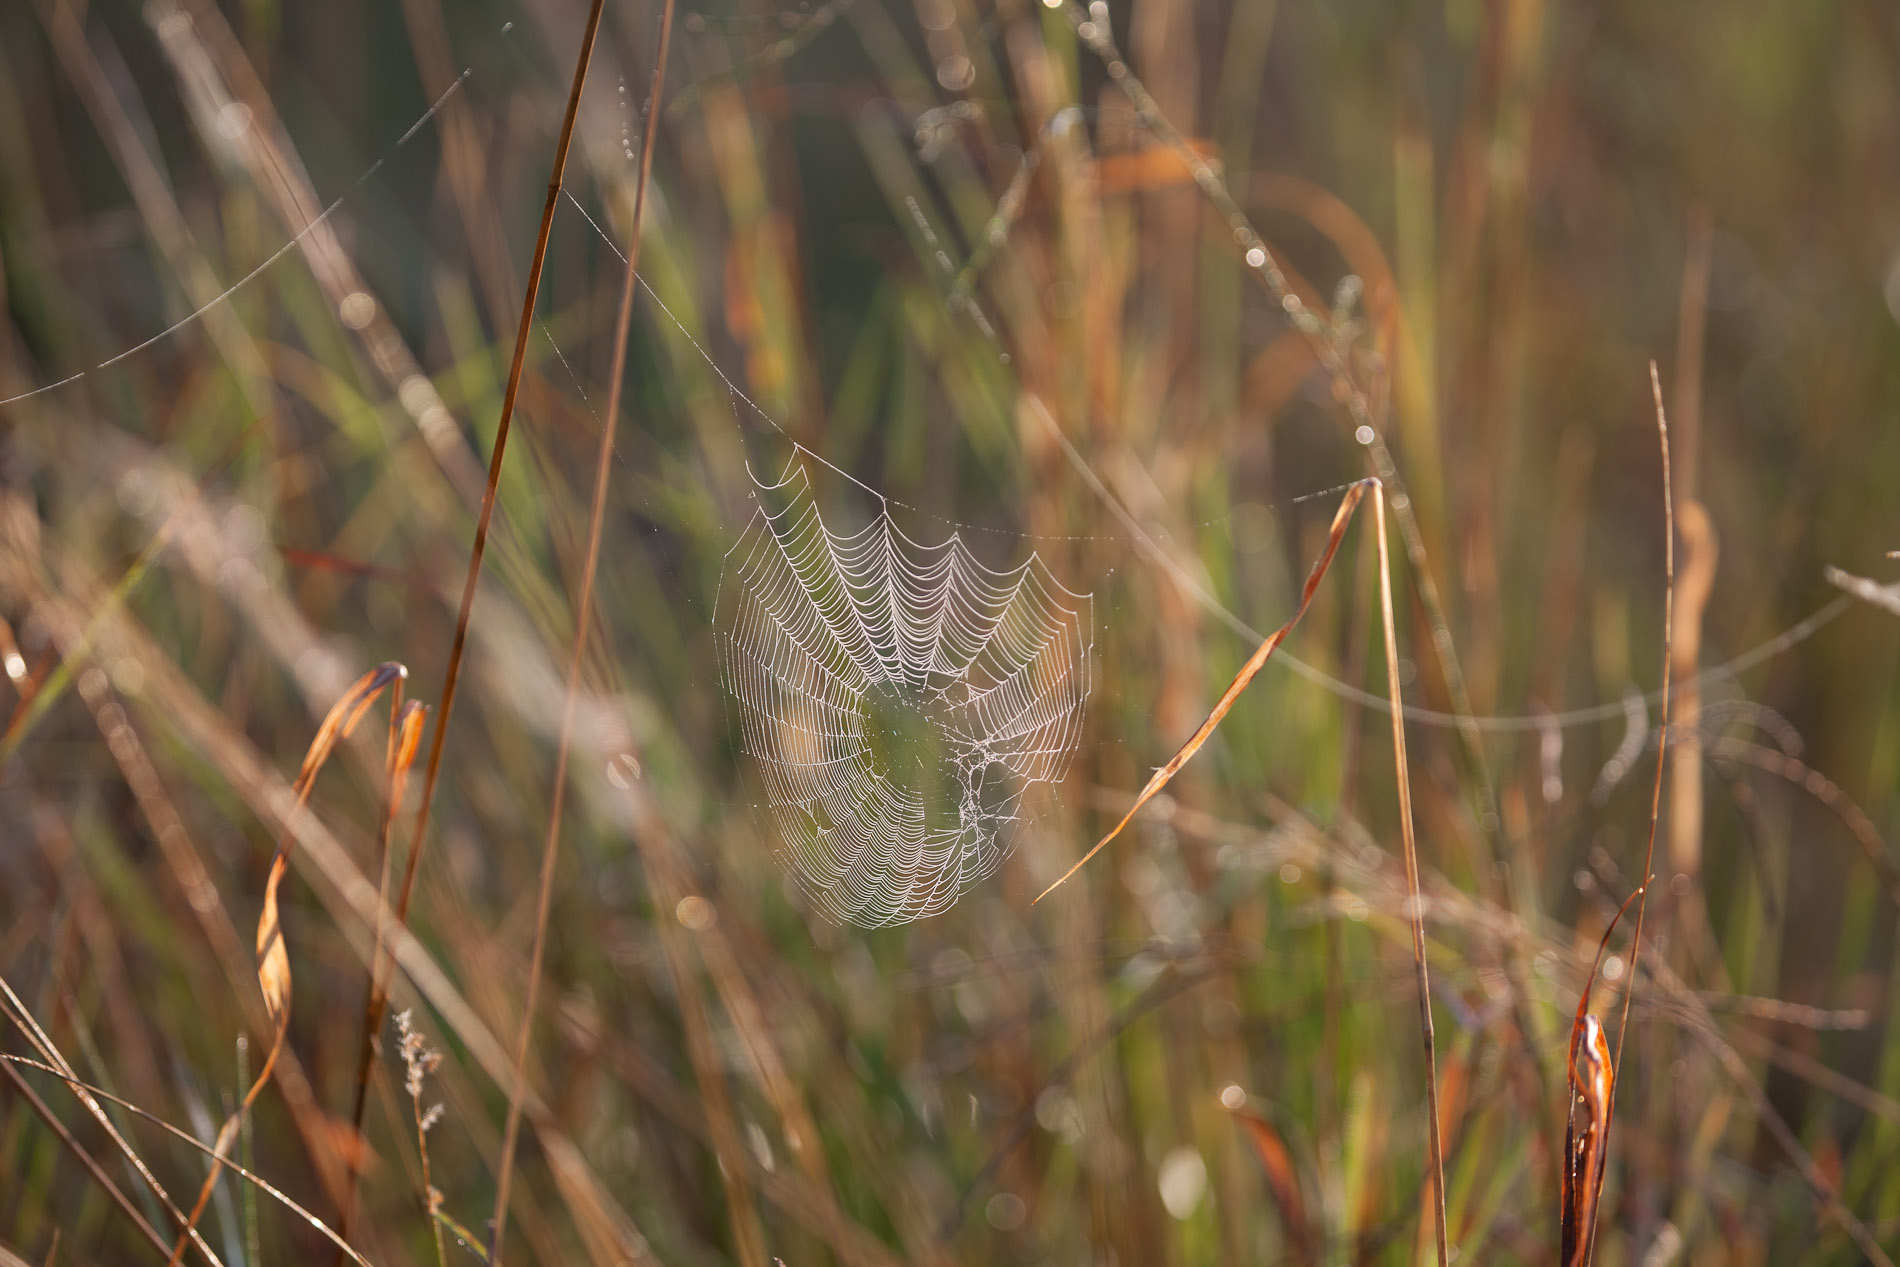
pixel 1592 1078
pixel 1586 1139
pixel 273 964
pixel 273 961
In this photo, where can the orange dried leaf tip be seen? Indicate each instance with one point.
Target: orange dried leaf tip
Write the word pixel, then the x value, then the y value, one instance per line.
pixel 343 716
pixel 1283 1177
pixel 406 742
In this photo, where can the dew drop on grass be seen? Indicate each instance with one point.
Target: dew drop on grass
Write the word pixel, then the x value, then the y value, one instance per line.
pixel 1182 1180
pixel 1005 1211
pixel 234 120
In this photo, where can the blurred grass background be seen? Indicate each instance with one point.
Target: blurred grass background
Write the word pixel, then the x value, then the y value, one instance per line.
pixel 1203 1049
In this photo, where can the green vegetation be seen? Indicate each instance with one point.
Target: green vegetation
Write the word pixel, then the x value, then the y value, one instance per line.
pixel 1147 288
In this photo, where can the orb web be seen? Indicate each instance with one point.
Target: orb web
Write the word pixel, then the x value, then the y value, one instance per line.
pixel 895 701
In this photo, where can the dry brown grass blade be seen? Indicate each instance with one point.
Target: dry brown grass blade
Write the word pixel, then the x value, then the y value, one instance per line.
pixel 1341 518
pixel 1587 1132
pixel 407 742
pixel 583 619
pixel 1655 796
pixel 273 961
pixel 343 717
pixel 1283 1181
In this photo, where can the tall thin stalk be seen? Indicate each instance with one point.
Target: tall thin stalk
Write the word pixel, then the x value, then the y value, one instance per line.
pixel 583 618
pixel 1415 901
pixel 1662 744
pixel 556 176
pixel 1342 518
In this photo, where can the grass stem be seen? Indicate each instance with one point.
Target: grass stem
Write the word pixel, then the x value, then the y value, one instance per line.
pixel 583 618
pixel 1415 901
pixel 446 704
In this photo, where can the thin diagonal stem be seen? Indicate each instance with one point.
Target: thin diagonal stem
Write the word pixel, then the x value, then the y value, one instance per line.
pixel 1415 900
pixel 454 671
pixel 93 1168
pixel 86 1091
pixel 373 1013
pixel 583 618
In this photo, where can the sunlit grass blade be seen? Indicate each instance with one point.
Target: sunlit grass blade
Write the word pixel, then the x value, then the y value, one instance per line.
pixel 37 697
pixel 1415 899
pixel 85 1159
pixel 217 1159
pixel 1248 671
pixel 583 620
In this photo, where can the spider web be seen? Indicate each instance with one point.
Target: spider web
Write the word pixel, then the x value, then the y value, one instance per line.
pixel 895 700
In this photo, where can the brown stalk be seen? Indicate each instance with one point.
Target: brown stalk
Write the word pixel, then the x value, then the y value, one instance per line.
pixel 373 1016
pixel 1415 901
pixel 1655 796
pixel 273 961
pixel 1255 662
pixel 583 619
pixel 434 768
pixel 1701 548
